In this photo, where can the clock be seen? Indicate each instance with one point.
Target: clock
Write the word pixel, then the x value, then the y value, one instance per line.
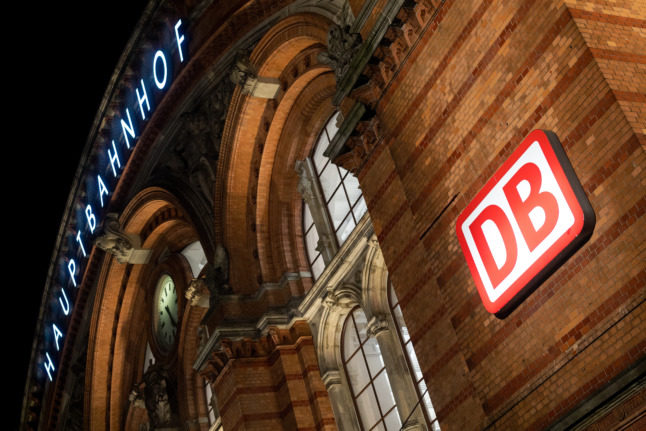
pixel 165 313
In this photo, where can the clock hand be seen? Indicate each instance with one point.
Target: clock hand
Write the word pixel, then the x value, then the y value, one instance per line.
pixel 171 316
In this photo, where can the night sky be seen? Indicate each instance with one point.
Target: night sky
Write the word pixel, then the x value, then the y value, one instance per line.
pixel 60 57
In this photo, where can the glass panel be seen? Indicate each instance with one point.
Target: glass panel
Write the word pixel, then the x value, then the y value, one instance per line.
pixel 350 340
pixel 384 392
pixel 345 229
pixel 436 426
pixel 211 417
pixel 368 410
pixel 399 318
pixel 392 420
pixel 338 207
pixel 311 241
pixel 343 172
pixel 317 267
pixel 417 371
pixel 361 321
pixel 318 158
pixel 429 406
pixel 358 373
pixel 359 208
pixel 352 187
pixel 378 427
pixel 373 356
pixel 329 179
pixel 307 217
pixel 331 125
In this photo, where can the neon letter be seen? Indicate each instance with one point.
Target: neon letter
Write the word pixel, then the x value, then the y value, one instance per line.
pixel 71 267
pixel 180 40
pixel 66 306
pixel 536 212
pixel 127 128
pixel 103 190
pixel 114 158
pixel 143 99
pixel 160 84
pixel 57 334
pixel 494 216
pixel 49 366
pixel 91 220
pixel 78 239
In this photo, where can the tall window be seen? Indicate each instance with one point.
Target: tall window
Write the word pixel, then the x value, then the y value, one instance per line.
pixel 213 414
pixel 416 371
pixel 335 198
pixel 367 374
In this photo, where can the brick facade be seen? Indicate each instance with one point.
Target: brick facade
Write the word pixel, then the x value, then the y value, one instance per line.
pixel 446 91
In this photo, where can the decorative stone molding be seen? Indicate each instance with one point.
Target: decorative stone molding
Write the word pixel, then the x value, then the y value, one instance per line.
pixel 343 44
pixel 246 76
pixel 331 378
pixel 377 325
pixel 124 246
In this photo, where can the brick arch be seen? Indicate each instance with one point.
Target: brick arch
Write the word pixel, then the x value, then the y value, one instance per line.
pixel 265 140
pixel 120 317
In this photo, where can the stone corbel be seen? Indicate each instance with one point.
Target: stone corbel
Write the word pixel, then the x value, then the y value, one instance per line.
pixel 198 294
pixel 377 325
pixel 126 247
pixel 245 75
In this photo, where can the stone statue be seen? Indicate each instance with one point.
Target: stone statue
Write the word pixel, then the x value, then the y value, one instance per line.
pixel 124 246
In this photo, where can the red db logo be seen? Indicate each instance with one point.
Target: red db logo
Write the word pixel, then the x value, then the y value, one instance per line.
pixel 525 222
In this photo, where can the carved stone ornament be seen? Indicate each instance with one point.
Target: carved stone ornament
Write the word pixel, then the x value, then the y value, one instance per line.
pixel 124 246
pixel 156 394
pixel 197 293
pixel 377 325
pixel 246 76
pixel 342 46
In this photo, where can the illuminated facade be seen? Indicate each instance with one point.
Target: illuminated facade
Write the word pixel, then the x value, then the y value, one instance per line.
pixel 262 233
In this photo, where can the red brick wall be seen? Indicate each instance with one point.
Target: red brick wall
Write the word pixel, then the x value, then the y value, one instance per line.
pixel 481 78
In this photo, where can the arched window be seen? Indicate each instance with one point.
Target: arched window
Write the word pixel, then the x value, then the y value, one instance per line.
pixel 415 369
pixel 366 372
pixel 333 202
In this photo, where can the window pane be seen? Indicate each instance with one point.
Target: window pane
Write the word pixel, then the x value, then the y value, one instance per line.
pixel 317 267
pixel 359 208
pixel 379 427
pixel 358 373
pixel 331 125
pixel 392 420
pixel 361 321
pixel 350 341
pixel 352 187
pixel 318 158
pixel 373 356
pixel 338 207
pixel 346 228
pixel 329 179
pixel 307 217
pixel 368 410
pixel 410 351
pixel 311 241
pixel 384 392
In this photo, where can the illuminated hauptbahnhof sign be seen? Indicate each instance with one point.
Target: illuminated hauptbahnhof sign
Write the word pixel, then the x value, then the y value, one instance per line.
pixel 155 78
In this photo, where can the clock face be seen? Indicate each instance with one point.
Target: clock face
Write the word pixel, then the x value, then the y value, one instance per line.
pixel 165 319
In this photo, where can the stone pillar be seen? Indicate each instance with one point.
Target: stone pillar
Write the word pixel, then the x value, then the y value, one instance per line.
pixel 342 403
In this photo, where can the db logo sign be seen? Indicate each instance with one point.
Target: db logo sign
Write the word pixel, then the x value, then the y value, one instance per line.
pixel 526 221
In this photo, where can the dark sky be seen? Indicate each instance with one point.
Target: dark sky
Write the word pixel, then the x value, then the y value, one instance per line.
pixel 59 57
